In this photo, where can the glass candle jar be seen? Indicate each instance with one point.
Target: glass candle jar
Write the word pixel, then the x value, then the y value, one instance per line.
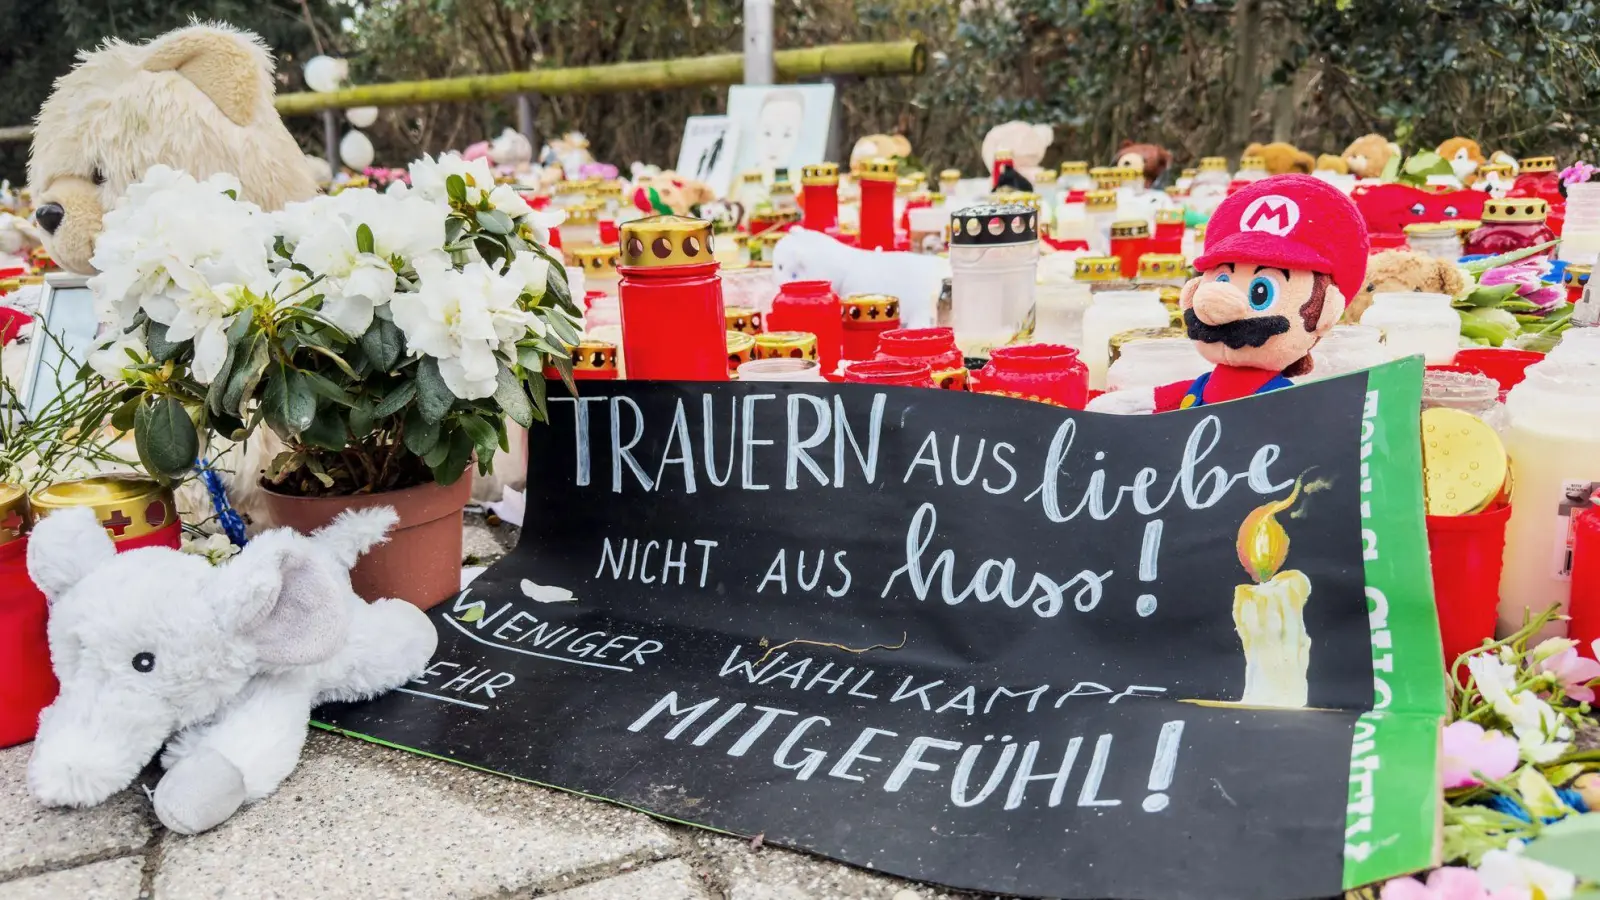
pixel 819 186
pixel 1075 176
pixel 780 195
pixel 1111 313
pixel 1345 349
pixel 599 265
pixel 932 347
pixel 1153 362
pixel 994 259
pixel 581 229
pixel 1251 168
pixel 1168 236
pixel 948 179
pixel 795 370
pixel 749 287
pixel 1213 170
pixel 1059 301
pixel 812 307
pixel 1511 224
pixel 752 191
pixel 866 318
pixel 1467 391
pixel 1439 240
pixel 1048 373
pixel 1414 322
pixel 926 228
pixel 1100 207
pixel 892 372
pixel 673 322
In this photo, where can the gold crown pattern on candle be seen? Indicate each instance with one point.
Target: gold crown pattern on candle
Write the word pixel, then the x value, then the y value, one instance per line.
pixel 1130 228
pixel 1000 224
pixel 593 356
pixel 1099 201
pixel 822 174
pixel 1186 173
pixel 1537 164
pixel 871 308
pixel 1113 177
pixel 1009 196
pixel 658 241
pixel 1173 216
pixel 16 517
pixel 950 175
pixel 743 319
pixel 1003 156
pixel 880 169
pixel 1252 163
pixel 583 214
pixel 1494 168
pixel 1214 164
pixel 608 189
pixel 596 260
pixel 1515 209
pixel 786 345
pixel 751 176
pixel 1098 268
pixel 1163 266
pixel 1074 167
pixel 741 349
pixel 128 506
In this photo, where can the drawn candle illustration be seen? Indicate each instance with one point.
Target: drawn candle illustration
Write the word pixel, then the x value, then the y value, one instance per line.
pixel 1270 614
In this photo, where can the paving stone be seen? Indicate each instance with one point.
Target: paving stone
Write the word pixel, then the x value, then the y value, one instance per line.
pixel 359 820
pixel 774 874
pixel 114 879
pixel 673 880
pixel 34 837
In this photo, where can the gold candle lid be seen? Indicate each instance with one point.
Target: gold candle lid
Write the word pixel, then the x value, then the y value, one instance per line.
pixel 751 176
pixel 871 308
pixel 658 241
pixel 1463 462
pixel 1163 265
pixel 1214 164
pixel 1097 268
pixel 1123 338
pixel 743 319
pixel 880 169
pixel 1130 229
pixel 1002 156
pixel 594 356
pixel 582 214
pixel 1074 167
pixel 129 506
pixel 1113 177
pixel 596 260
pixel 608 189
pixel 1515 209
pixel 950 175
pixel 1417 228
pixel 820 174
pixel 1186 173
pixel 16 517
pixel 1462 226
pixel 906 185
pixel 741 349
pixel 1252 163
pixel 786 345
pixel 1537 164
pixel 566 187
pixel 1494 168
pixel 1099 201
pixel 1171 216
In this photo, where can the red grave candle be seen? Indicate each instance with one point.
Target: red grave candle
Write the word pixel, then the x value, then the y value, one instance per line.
pixel 673 324
pixel 1003 160
pixel 1584 609
pixel 878 180
pixel 1048 373
pixel 1130 239
pixel 866 318
pixel 932 347
pixel 895 372
pixel 1510 224
pixel 811 306
pixel 1169 232
pixel 591 361
pixel 819 196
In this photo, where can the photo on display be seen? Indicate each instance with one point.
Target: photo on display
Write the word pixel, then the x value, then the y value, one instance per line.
pixel 781 126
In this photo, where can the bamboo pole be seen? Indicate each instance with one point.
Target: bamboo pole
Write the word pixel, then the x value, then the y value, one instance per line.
pixel 16 133
pixel 895 58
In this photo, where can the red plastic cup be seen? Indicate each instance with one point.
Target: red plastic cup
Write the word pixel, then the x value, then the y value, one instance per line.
pixel 889 371
pixel 27 683
pixel 1505 366
pixel 1466 554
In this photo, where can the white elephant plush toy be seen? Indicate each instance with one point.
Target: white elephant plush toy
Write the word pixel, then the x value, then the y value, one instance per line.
pixel 916 278
pixel 222 664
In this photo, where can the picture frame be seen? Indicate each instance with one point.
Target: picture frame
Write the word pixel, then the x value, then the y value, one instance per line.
pixel 781 126
pixel 65 329
pixel 708 151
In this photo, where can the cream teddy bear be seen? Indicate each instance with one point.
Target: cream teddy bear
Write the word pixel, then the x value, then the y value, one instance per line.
pixel 197 99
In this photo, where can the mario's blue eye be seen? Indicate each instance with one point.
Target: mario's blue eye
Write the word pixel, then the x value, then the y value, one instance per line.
pixel 1223 276
pixel 1262 292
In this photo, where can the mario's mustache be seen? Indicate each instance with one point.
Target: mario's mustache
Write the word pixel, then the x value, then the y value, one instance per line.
pixel 1238 334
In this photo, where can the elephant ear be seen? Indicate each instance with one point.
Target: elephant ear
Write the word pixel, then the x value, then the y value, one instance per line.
pixel 64 547
pixel 282 596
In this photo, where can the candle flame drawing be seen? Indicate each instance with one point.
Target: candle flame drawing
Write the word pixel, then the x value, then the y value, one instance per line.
pixel 1270 614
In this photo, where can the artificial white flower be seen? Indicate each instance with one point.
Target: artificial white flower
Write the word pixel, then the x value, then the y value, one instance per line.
pixel 468 321
pixel 505 198
pixel 1510 869
pixel 111 358
pixel 216 548
pixel 1541 733
pixel 428 177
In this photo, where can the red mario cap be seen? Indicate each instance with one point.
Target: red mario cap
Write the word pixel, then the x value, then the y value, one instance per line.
pixel 1292 222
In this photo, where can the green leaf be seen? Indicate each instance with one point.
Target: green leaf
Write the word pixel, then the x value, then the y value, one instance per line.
pixel 337 360
pixel 395 400
pixel 219 384
pixel 433 395
pixel 326 389
pixel 161 349
pixel 364 239
pixel 485 438
pixel 435 457
pixel 1479 266
pixel 290 404
pixel 495 222
pixel 327 430
pixel 361 419
pixel 563 367
pixel 453 464
pixel 165 438
pixel 246 376
pixel 455 188
pixel 491 250
pixel 383 343
pixel 453 227
pixel 1570 844
pixel 530 357
pixel 123 416
pixel 556 288
pixel 540 389
pixel 422 434
pixel 511 397
pixel 1488 296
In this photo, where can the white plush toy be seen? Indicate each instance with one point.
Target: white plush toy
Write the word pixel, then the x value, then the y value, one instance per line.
pixel 915 278
pixel 221 664
pixel 17 238
pixel 511 148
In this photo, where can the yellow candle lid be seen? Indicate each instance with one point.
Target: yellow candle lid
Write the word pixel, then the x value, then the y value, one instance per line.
pixel 1463 462
pixel 129 506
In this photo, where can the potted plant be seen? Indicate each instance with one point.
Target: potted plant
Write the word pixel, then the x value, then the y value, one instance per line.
pixel 383 338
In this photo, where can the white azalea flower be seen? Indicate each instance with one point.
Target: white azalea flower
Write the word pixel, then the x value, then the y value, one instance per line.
pixel 215 548
pixel 428 177
pixel 1509 869
pixel 467 321
pixel 111 358
pixel 505 198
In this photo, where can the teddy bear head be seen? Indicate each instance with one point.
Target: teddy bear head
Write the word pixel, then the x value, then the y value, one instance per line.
pixel 1404 270
pixel 197 99
pixel 874 146
pixel 1464 156
pixel 1368 155
pixel 670 194
pixel 1026 142
pixel 1283 158
pixel 1328 162
pixel 1149 158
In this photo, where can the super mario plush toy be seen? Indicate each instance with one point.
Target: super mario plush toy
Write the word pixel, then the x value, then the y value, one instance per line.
pixel 1281 257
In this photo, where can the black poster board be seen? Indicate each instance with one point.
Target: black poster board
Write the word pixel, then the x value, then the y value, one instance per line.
pixel 976 641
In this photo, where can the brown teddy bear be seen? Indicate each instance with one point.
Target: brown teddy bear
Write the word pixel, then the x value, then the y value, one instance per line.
pixel 1026 142
pixel 1403 270
pixel 1152 159
pixel 1328 162
pixel 1464 156
pixel 1367 155
pixel 1283 158
pixel 197 99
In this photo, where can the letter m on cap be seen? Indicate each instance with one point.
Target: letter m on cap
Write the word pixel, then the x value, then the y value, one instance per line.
pixel 1273 214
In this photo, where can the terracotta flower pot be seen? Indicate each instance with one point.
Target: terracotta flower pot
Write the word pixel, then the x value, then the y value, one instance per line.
pixel 421 563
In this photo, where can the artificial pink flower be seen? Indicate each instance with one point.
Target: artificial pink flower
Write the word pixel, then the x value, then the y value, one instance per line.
pixel 1528 277
pixel 1468 748
pixel 1577 173
pixel 1575 672
pixel 1448 883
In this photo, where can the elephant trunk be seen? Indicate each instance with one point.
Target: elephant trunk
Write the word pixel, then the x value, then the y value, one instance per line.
pixel 90 747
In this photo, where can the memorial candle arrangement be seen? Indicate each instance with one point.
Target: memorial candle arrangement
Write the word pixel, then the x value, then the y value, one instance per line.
pixel 878 181
pixel 673 323
pixel 819 185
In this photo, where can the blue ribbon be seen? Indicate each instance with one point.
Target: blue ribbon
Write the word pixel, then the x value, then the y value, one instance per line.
pixel 228 517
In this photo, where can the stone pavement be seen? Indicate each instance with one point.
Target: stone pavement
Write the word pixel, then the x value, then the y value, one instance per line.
pixel 366 822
